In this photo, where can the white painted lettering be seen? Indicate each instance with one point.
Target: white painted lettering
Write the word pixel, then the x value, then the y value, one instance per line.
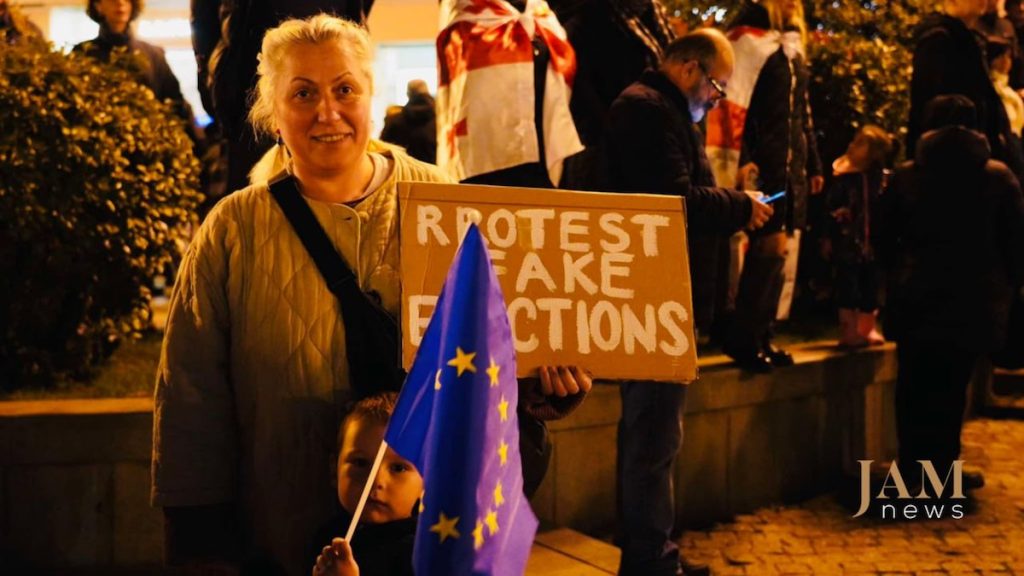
pixel 428 218
pixel 533 269
pixel 610 223
pixel 671 315
pixel 569 227
pixel 650 224
pixel 612 265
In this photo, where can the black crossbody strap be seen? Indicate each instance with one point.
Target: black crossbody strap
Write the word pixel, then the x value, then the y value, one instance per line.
pixel 332 266
pixel 371 334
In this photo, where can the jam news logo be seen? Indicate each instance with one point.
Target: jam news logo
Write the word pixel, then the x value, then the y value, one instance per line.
pixel 944 499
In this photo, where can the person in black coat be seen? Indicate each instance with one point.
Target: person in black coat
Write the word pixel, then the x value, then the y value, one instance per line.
pixel 779 144
pixel 615 41
pixel 415 127
pixel 655 147
pixel 953 246
pixel 115 18
pixel 949 58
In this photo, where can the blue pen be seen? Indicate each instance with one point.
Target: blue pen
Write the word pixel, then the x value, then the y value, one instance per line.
pixel 773 197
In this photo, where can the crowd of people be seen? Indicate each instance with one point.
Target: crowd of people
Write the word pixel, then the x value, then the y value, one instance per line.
pixel 258 364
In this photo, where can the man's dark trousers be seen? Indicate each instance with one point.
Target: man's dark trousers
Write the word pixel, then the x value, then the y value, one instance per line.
pixel 650 435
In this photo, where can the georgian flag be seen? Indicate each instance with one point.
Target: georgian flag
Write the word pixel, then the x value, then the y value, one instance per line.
pixel 485 97
pixel 725 122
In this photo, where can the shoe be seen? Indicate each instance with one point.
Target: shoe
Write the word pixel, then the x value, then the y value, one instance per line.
pixel 848 336
pixel 777 356
pixel 757 363
pixel 866 329
pixel 692 568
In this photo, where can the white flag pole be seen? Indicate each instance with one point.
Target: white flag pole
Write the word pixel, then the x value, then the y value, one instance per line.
pixel 370 481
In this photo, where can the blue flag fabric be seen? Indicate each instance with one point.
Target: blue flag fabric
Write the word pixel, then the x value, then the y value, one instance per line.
pixel 456 421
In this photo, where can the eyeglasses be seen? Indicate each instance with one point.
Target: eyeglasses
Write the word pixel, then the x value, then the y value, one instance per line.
pixel 719 91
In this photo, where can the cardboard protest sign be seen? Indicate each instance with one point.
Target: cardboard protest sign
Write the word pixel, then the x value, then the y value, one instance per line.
pixel 597 280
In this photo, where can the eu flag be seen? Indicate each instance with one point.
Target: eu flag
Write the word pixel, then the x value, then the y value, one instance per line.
pixel 456 421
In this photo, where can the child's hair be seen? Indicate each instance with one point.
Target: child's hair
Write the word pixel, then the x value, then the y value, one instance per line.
pixel 374 409
pixel 880 144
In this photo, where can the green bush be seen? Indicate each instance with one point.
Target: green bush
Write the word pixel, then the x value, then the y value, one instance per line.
pixel 98 189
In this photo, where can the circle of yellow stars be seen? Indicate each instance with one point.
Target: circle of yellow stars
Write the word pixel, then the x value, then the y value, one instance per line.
pixel 446 527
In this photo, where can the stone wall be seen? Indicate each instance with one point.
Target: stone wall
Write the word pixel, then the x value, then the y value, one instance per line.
pixel 74 475
pixel 749 440
pixel 74 485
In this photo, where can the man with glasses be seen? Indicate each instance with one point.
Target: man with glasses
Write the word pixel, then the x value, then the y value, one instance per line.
pixel 654 146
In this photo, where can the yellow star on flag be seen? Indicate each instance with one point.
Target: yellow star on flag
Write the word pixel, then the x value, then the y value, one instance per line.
pixel 437 381
pixel 492 521
pixel 463 361
pixel 445 527
pixel 499 498
pixel 503 409
pixel 503 452
pixel 478 535
pixel 492 371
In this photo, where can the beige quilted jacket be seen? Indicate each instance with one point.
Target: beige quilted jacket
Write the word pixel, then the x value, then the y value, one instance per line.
pixel 253 374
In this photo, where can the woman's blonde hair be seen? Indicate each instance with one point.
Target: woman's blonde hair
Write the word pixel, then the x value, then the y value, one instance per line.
pixel 778 22
pixel 353 40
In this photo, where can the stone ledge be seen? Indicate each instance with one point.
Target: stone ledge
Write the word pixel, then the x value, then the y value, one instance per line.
pixel 75 407
pixel 820 367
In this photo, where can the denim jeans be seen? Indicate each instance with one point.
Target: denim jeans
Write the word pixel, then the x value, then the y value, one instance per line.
pixel 650 435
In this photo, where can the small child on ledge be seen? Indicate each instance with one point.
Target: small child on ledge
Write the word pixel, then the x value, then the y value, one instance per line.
pixel 853 201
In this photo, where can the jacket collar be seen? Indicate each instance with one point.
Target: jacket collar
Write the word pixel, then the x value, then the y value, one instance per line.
pixel 111 38
pixel 657 80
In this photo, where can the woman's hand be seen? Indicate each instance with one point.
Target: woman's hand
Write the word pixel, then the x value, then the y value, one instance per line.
pixel 336 560
pixel 564 381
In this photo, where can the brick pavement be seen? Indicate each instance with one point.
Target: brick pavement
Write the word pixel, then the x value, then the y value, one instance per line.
pixel 820 536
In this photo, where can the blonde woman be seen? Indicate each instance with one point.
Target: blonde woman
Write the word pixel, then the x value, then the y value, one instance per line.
pixel 777 142
pixel 255 368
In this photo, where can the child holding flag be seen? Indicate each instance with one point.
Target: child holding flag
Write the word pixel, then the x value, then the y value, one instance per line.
pixel 383 541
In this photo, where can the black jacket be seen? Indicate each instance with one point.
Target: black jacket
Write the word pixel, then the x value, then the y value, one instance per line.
pixel 949 58
pixel 853 202
pixel 414 128
pixel 379 549
pixel 779 135
pixel 953 243
pixel 615 41
pixel 654 147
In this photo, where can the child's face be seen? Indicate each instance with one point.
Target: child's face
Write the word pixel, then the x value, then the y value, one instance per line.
pixel 398 483
pixel 859 152
pixel 1003 63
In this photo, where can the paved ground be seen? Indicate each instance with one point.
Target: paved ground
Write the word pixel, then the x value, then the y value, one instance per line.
pixel 821 537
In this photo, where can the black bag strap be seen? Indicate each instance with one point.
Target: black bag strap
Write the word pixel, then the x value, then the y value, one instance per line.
pixel 371 334
pixel 339 277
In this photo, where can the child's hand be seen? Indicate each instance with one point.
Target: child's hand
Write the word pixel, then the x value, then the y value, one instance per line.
pixel 336 560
